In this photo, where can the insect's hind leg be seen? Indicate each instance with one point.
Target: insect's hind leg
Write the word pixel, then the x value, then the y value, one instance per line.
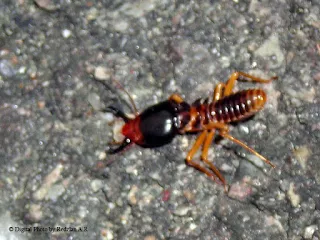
pixel 237 141
pixel 235 76
pixel 223 131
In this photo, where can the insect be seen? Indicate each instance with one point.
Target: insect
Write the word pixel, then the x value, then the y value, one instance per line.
pixel 160 123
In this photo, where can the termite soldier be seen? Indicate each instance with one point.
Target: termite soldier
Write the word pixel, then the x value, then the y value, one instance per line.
pixel 160 123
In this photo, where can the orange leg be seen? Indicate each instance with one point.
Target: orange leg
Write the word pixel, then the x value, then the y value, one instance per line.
pixel 217 94
pixel 208 139
pixel 176 98
pixel 205 139
pixel 200 140
pixel 224 133
pixel 204 157
pixel 237 141
pixel 235 76
pixel 217 125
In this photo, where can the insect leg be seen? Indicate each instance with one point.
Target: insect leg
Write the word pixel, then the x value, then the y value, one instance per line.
pixel 193 150
pixel 235 76
pixel 204 157
pixel 176 98
pixel 218 94
pixel 223 128
pixel 217 125
pixel 256 79
pixel 237 141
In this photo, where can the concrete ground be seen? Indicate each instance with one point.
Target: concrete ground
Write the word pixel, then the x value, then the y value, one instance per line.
pixel 56 180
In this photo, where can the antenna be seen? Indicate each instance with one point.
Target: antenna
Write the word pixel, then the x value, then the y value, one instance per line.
pixel 119 85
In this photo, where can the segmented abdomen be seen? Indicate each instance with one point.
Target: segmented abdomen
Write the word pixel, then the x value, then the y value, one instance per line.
pixel 232 108
pixel 237 106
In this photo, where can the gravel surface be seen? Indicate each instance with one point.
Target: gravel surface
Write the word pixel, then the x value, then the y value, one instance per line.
pixel 56 180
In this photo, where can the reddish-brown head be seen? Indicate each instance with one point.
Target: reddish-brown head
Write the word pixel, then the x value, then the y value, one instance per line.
pixel 131 130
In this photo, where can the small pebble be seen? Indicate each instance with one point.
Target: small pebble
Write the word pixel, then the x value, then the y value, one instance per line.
pixel 132 195
pixel 66 33
pixel 102 73
pixel 293 197
pixel 96 185
pixel 6 69
pixel 150 237
pixel 181 211
pixel 35 212
pixel 302 154
pixel 309 231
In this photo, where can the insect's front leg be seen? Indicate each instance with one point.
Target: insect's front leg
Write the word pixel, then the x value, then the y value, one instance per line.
pixel 176 98
pixel 218 92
